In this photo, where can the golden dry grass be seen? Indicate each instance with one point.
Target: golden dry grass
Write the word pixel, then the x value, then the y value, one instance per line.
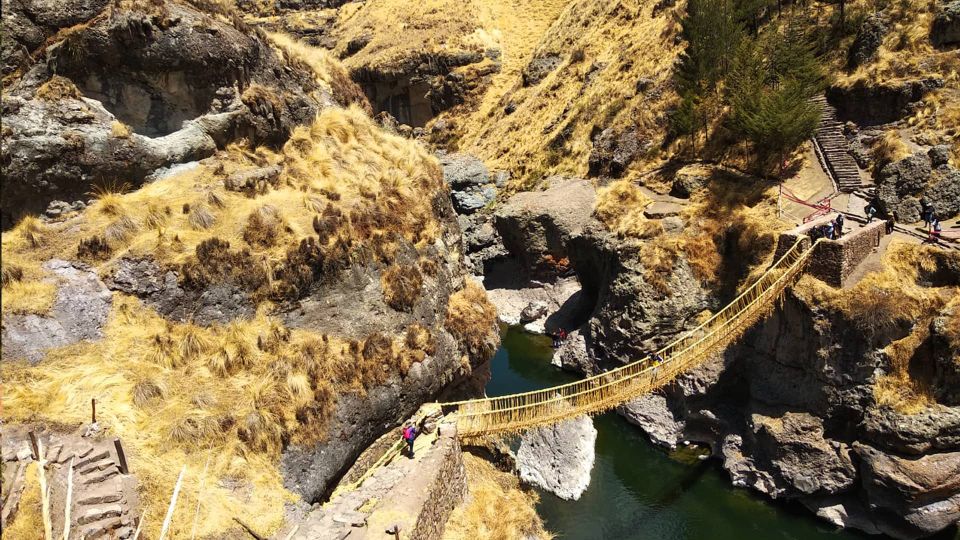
pixel 180 393
pixel 29 297
pixel 330 74
pixel 471 317
pixel 883 301
pixel 889 148
pixel 739 214
pixel 28 521
pixel 622 42
pixel 398 29
pixel 906 50
pixel 120 130
pixel 496 507
pixel 619 206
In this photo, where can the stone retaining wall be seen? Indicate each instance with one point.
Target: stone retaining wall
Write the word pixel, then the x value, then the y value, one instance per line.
pixel 834 260
pixel 447 488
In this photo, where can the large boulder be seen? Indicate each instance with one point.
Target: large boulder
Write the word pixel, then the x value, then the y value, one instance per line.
pixel 538 224
pixel 463 171
pixel 559 457
pixel 470 182
pixel 921 495
pixel 868 40
pixel 613 152
pixel 936 429
pixel 652 413
pixel 945 30
pixel 944 192
pixel 898 185
pixel 572 354
pixel 689 180
pixel 799 458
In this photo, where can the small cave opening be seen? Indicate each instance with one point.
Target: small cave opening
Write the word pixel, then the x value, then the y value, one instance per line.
pixel 152 107
pixel 405 99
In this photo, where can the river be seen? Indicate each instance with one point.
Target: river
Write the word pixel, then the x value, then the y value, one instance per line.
pixel 639 491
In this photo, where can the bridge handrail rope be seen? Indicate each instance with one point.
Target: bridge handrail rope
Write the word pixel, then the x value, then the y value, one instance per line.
pixel 606 390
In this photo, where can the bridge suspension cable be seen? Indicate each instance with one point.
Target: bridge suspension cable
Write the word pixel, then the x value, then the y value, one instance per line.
pixel 515 412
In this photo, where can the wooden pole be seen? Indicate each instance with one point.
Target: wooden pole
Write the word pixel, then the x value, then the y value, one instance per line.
pixel 69 502
pixel 293 532
pixel 34 445
pixel 173 504
pixel 136 534
pixel 93 410
pixel 196 515
pixel 121 457
pixel 44 494
pixel 247 528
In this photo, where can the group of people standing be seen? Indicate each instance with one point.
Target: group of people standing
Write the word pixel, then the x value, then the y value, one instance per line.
pixel 831 231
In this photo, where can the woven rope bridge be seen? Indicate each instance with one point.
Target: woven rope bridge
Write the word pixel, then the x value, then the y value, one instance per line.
pixel 516 412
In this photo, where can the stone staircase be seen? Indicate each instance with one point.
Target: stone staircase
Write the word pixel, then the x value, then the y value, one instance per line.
pixel 104 500
pixel 832 150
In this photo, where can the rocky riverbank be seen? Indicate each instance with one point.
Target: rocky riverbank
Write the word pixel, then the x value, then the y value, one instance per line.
pixel 794 410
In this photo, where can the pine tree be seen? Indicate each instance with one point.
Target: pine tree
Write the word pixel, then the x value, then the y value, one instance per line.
pixel 769 90
pixel 711 29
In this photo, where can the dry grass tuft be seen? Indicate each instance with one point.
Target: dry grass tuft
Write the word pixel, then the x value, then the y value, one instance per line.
pixel 10 273
pixel 57 89
pixel 146 391
pixel 402 286
pixel 200 217
pixel 889 148
pixel 93 249
pixel 496 508
pixel 31 231
pixel 28 297
pixel 620 207
pixel 121 229
pixel 265 228
pixel 329 73
pixel 472 319
pixel 28 521
pixel 120 130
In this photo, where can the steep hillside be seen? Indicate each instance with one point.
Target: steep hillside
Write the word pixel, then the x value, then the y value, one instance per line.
pixel 259 314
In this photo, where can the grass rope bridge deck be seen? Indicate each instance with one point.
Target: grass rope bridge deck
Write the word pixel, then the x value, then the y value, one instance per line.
pixel 516 412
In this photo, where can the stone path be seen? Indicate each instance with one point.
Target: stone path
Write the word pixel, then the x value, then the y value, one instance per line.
pixel 396 493
pixel 833 151
pixel 104 500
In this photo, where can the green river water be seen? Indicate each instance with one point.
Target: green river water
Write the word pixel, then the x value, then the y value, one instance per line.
pixel 638 491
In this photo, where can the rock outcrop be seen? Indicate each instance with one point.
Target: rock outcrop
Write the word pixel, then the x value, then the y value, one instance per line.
pixel 869 104
pixel 790 411
pixel 558 458
pixel 945 31
pixel 869 38
pixel 123 91
pixel 902 184
pixel 78 313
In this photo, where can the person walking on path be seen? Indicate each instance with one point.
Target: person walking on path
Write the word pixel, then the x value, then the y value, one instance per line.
pixel 926 212
pixel 409 435
pixel 870 211
pixel 933 234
